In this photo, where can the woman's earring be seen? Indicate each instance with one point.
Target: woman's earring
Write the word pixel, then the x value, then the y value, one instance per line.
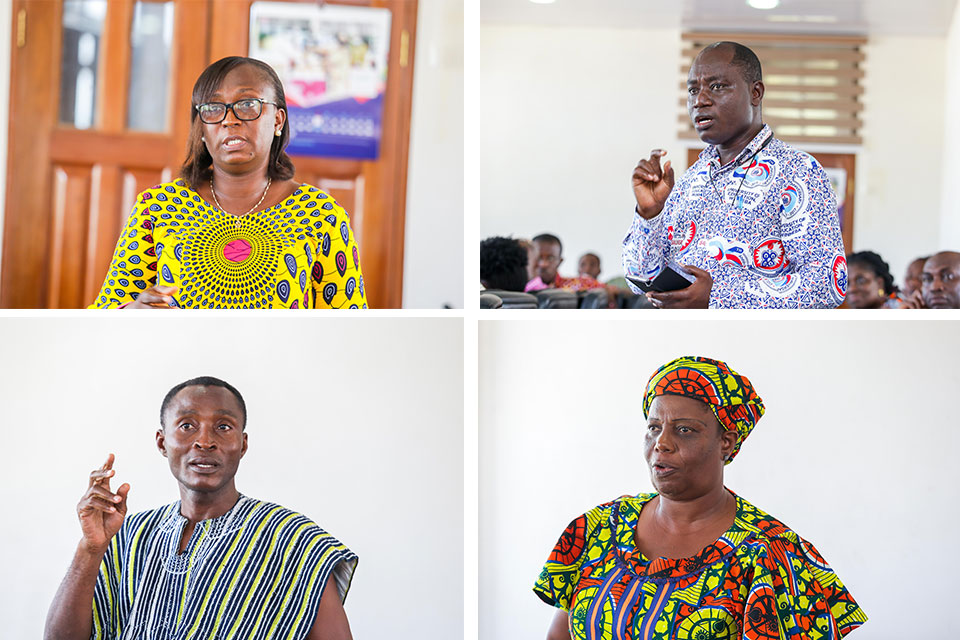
pixel 278 132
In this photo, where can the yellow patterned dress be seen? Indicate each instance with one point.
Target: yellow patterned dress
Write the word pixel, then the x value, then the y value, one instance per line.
pixel 297 254
pixel 758 581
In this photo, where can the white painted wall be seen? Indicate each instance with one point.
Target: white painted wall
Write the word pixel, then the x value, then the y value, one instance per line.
pixel 353 422
pixel 899 200
pixel 563 118
pixel 856 452
pixel 433 251
pixel 567 113
pixel 950 215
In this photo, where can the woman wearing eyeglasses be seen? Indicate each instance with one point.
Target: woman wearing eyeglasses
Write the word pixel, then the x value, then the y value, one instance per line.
pixel 235 231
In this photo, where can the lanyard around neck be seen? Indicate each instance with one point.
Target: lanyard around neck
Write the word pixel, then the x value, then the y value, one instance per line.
pixel 745 166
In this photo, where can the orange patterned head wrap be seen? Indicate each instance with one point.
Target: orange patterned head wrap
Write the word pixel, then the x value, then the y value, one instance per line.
pixel 729 395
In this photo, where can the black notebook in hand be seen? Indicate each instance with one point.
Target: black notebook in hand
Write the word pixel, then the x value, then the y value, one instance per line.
pixel 672 278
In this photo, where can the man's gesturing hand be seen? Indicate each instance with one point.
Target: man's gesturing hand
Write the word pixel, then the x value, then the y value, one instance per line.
pixel 101 512
pixel 651 184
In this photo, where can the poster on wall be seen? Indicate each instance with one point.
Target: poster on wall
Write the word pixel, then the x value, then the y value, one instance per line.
pixel 838 180
pixel 332 61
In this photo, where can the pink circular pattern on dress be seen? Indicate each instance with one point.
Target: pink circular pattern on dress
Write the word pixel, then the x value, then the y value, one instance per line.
pixel 237 250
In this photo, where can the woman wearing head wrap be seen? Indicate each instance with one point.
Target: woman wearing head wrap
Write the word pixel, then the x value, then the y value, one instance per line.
pixel 693 560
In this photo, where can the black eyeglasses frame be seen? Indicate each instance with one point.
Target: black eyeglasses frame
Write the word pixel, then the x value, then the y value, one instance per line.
pixel 229 106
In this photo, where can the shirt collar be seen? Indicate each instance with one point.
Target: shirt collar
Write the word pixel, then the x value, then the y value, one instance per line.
pixel 711 153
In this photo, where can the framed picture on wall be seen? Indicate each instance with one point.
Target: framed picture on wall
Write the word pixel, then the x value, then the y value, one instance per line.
pixel 332 61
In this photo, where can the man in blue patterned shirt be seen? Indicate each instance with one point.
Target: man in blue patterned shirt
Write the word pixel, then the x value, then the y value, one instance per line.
pixel 753 220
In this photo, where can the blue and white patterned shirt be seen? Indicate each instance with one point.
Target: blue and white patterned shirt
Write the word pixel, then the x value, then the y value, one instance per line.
pixel 772 241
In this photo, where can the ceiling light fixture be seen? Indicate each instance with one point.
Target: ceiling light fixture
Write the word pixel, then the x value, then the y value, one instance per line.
pixel 763 4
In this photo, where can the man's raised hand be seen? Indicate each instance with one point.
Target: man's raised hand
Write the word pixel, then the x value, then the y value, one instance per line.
pixel 651 184
pixel 101 511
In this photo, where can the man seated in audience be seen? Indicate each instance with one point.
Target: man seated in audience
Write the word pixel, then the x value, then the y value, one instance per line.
pixel 548 251
pixel 911 281
pixel 941 281
pixel 589 266
pixel 503 264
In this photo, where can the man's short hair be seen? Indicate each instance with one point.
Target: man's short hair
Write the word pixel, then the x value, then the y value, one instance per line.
pixel 203 381
pixel 592 255
pixel 549 237
pixel 744 58
pixel 503 264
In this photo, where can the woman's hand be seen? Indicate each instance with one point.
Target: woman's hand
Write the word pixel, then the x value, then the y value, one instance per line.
pixel 101 511
pixel 154 298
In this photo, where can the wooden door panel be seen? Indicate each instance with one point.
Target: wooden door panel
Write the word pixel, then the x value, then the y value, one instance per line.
pixel 68 235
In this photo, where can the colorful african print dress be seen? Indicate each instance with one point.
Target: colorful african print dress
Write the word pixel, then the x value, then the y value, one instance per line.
pixel 256 572
pixel 758 581
pixel 297 254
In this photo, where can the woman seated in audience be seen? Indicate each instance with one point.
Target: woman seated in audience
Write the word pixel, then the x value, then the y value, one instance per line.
pixel 693 560
pixel 870 283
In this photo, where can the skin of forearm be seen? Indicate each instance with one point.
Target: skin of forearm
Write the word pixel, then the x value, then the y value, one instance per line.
pixel 71 614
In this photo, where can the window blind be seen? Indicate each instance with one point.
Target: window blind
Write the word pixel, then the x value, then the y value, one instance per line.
pixel 813 83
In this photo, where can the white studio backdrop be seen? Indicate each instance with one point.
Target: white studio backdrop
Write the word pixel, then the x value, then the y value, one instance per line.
pixel 856 452
pixel 354 422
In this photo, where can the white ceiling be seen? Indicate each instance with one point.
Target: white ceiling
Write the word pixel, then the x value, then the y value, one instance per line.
pixel 861 17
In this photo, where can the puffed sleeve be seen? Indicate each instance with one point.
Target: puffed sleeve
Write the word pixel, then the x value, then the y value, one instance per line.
pixel 134 264
pixel 336 276
pixel 795 594
pixel 561 572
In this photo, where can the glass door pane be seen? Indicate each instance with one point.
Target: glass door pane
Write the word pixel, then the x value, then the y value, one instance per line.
pixel 151 37
pixel 82 28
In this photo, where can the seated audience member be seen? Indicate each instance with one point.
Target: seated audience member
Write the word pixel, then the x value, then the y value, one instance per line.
pixel 589 266
pixel 548 251
pixel 531 258
pixel 870 284
pixel 941 281
pixel 911 281
pixel 503 264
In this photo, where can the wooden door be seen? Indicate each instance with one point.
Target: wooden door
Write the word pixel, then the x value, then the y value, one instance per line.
pixel 70 190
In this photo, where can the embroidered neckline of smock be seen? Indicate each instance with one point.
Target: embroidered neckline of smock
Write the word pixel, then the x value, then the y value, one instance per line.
pixel 625 513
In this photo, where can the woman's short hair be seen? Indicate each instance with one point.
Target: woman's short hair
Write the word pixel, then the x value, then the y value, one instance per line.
pixel 197 168
pixel 878 265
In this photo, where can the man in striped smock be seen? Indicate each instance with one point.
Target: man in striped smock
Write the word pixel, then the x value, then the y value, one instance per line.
pixel 214 565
